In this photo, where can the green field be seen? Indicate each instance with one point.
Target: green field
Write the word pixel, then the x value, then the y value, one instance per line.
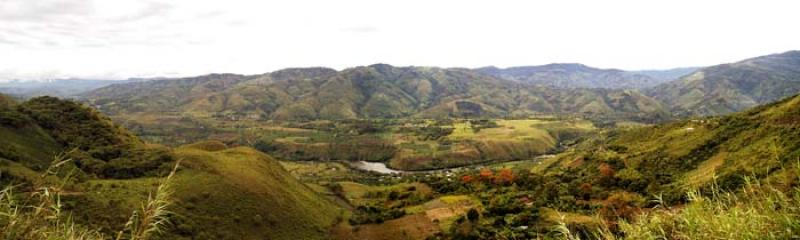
pixel 405 144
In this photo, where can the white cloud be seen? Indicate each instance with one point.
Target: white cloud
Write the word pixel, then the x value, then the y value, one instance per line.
pixel 128 38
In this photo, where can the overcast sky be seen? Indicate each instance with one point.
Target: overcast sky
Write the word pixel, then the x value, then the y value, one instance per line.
pixel 122 38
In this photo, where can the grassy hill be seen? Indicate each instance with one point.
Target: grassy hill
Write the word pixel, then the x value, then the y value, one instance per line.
pixel 732 87
pixel 375 91
pixel 23 141
pixel 242 193
pixel 671 158
pixel 573 75
pixel 219 193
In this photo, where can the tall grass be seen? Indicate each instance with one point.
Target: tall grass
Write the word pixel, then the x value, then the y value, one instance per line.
pixel 153 216
pixel 38 214
pixel 757 211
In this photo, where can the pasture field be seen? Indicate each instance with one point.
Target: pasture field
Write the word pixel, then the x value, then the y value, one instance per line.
pixel 404 144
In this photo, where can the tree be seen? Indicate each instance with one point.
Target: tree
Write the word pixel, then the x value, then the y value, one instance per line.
pixel 606 170
pixel 504 176
pixel 473 215
pixel 486 175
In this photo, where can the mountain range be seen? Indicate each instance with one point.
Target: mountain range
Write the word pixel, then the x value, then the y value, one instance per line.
pixel 375 91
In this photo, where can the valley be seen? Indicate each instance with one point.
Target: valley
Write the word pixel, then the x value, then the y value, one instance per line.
pixel 385 152
pixel 403 144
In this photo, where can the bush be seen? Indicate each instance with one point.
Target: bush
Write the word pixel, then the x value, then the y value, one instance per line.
pixel 473 215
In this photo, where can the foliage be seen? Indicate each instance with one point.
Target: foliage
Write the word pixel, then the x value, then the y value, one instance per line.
pixel 40 213
pixel 757 211
pixel 76 126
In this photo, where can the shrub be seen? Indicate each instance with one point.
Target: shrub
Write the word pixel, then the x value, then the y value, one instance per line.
pixel 473 215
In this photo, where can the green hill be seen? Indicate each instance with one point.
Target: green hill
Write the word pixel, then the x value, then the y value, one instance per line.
pixel 375 91
pixel 22 140
pixel 671 158
pixel 732 87
pixel 219 193
pixel 242 193
pixel 717 177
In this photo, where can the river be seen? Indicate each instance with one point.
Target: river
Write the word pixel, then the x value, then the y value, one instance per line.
pixel 381 167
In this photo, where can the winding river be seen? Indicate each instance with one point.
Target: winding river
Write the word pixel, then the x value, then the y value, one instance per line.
pixel 380 167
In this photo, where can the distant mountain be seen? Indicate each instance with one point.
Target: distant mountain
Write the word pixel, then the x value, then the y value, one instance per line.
pixel 57 88
pixel 375 91
pixel 573 75
pixel 161 95
pixel 732 87
pixel 667 75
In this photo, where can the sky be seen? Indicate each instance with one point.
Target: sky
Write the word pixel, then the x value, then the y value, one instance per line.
pixel 48 39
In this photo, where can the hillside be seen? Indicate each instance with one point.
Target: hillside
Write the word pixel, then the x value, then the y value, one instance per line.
pixel 703 178
pixel 6 101
pixel 22 140
pixel 673 158
pixel 219 193
pixel 573 75
pixel 36 130
pixel 732 87
pixel 375 91
pixel 246 194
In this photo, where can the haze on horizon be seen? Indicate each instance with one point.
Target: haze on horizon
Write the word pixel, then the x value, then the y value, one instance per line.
pixel 120 39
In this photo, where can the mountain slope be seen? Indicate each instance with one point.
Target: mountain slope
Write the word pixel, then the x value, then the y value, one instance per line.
pixel 375 91
pixel 672 158
pixel 22 140
pixel 572 75
pixel 220 193
pixel 733 87
pixel 244 194
pixel 36 130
